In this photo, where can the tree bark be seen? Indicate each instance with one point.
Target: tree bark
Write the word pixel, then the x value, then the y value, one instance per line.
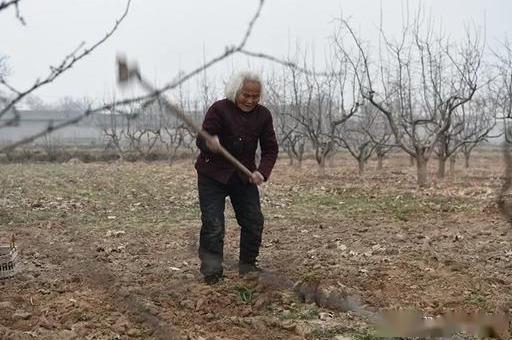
pixel 453 159
pixel 421 168
pixel 332 164
pixel 320 159
pixel 411 160
pixel 321 165
pixel 290 157
pixel 380 159
pixel 360 164
pixel 467 155
pixel 441 167
pixel 300 155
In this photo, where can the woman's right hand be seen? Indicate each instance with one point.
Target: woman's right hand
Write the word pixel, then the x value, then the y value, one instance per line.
pixel 213 144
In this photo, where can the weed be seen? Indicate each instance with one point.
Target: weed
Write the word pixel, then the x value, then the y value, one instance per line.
pixel 245 293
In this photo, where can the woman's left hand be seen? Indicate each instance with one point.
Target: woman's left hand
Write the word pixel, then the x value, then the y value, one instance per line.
pixel 256 178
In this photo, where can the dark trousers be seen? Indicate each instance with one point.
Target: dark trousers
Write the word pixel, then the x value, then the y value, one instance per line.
pixel 245 199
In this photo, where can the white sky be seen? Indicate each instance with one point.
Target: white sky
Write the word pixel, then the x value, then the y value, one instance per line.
pixel 165 36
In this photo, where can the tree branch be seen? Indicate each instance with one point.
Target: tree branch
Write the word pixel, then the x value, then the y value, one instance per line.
pixel 7 3
pixel 65 65
pixel 150 96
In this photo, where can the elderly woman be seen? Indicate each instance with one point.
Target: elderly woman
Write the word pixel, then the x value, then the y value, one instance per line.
pixel 238 123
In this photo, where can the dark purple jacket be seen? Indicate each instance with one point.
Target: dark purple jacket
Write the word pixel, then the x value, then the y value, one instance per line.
pixel 239 132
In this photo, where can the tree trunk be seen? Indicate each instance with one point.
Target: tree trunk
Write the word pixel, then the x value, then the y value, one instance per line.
pixel 119 150
pixel 290 157
pixel 360 164
pixel 467 155
pixel 331 160
pixel 320 159
pixel 170 158
pixel 380 159
pixel 172 154
pixel 318 156
pixel 411 160
pixel 421 167
pixel 300 155
pixel 453 159
pixel 321 165
pixel 441 168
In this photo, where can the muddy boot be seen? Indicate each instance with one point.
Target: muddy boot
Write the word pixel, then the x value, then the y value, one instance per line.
pixel 246 268
pixel 213 279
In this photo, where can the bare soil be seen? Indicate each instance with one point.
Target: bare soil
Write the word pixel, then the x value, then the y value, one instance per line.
pixel 109 251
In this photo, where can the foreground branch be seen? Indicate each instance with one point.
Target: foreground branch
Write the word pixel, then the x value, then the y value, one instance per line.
pixel 144 98
pixel 15 3
pixel 68 62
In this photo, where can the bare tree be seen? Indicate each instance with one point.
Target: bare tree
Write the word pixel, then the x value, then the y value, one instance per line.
pixel 143 133
pixel 502 87
pixel 207 91
pixel 113 125
pixel 289 132
pixel 4 96
pixel 295 143
pixel 379 132
pixel 139 129
pixel 73 104
pixel 4 72
pixel 35 102
pixel 505 74
pixel 355 138
pixel 418 83
pixel 175 135
pixel 322 102
pixel 51 146
pixel 474 127
pixel 176 138
pixel 472 124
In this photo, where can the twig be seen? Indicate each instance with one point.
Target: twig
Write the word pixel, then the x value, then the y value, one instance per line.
pixel 65 65
pixel 286 63
pixel 152 95
pixel 15 3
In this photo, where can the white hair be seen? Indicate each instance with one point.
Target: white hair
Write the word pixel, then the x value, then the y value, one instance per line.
pixel 236 81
